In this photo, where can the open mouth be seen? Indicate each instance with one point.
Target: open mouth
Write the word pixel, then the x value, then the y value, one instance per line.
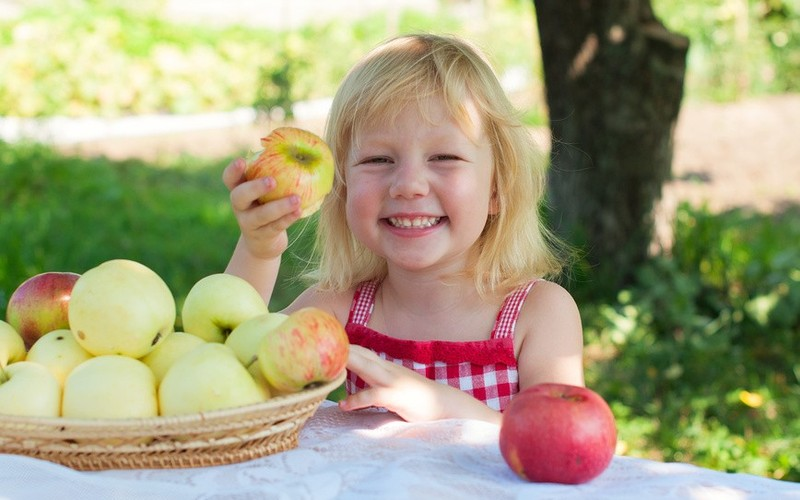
pixel 413 222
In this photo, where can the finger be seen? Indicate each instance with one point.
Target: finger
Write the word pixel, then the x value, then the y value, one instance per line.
pixel 233 175
pixel 245 194
pixel 365 398
pixel 276 215
pixel 369 366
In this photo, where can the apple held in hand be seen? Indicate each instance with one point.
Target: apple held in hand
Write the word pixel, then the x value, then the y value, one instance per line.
pixel 209 377
pixel 217 304
pixel 558 433
pixel 12 347
pixel 59 352
pixel 309 347
pixel 300 162
pixel 121 307
pixel 110 386
pixel 29 389
pixel 40 304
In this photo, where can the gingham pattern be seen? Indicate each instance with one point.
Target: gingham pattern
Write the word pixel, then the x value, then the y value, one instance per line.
pixel 463 365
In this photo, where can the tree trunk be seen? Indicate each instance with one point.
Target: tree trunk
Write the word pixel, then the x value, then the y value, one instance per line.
pixel 614 79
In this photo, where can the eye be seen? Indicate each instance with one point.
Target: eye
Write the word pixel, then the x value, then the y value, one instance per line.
pixel 445 157
pixel 375 160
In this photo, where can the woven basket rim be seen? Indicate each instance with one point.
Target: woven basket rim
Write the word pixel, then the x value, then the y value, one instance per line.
pixel 272 404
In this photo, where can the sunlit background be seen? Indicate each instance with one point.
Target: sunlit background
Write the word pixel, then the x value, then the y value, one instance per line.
pixel 117 117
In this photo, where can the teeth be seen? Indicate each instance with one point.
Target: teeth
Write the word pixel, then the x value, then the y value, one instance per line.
pixel 418 222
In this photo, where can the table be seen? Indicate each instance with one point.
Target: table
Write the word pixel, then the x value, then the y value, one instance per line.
pixel 374 455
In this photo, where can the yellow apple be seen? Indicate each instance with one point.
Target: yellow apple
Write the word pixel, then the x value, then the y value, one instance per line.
pixel 121 307
pixel 301 163
pixel 29 389
pixel 59 352
pixel 309 348
pixel 12 347
pixel 110 386
pixel 217 304
pixel 209 377
pixel 167 352
pixel 245 338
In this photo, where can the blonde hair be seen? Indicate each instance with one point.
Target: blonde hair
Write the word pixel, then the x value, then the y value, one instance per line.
pixel 514 246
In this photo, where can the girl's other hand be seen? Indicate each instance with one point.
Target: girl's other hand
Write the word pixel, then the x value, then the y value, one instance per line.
pixel 263 226
pixel 407 393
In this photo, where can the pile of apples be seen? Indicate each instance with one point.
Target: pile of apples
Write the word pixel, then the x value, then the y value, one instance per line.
pixel 103 345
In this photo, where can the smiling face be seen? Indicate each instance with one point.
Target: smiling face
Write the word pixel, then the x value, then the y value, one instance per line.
pixel 419 187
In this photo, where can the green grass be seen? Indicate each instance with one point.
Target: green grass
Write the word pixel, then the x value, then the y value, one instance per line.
pixel 70 214
pixel 697 358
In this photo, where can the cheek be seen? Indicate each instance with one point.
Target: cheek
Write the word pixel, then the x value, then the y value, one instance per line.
pixel 360 205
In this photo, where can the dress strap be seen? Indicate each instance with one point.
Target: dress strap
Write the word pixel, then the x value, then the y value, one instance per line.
pixel 509 312
pixel 363 303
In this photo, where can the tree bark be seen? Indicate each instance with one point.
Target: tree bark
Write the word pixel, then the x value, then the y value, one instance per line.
pixel 614 81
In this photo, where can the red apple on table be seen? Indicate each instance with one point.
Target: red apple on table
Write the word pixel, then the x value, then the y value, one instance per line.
pixel 300 162
pixel 558 433
pixel 40 305
pixel 308 348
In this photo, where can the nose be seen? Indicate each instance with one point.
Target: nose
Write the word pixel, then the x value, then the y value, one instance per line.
pixel 409 180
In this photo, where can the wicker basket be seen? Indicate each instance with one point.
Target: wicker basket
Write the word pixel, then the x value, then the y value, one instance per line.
pixel 196 440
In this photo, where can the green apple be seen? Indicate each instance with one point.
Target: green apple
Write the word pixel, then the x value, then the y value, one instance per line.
pixel 209 377
pixel 12 347
pixel 40 304
pixel 217 304
pixel 59 352
pixel 309 348
pixel 110 386
pixel 121 307
pixel 167 352
pixel 300 162
pixel 245 338
pixel 29 389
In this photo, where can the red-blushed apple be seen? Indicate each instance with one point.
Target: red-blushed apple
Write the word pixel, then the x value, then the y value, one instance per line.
pixel 558 433
pixel 309 347
pixel 40 305
pixel 300 162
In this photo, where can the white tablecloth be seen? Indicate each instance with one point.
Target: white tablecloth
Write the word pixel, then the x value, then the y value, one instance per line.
pixel 373 455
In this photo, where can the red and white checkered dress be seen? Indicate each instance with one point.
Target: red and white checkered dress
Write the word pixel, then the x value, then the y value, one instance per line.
pixel 486 369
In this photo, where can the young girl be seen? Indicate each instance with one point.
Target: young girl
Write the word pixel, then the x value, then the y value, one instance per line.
pixel 432 251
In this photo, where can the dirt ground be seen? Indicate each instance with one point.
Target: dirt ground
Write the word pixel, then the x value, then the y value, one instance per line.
pixel 743 154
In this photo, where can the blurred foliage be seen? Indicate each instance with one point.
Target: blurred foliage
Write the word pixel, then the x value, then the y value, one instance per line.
pixel 112 58
pixel 738 47
pixel 698 356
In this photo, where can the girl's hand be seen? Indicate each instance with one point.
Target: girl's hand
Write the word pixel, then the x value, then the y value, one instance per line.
pixel 407 393
pixel 263 226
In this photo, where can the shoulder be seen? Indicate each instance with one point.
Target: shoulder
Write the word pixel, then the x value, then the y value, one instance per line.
pixel 549 312
pixel 336 303
pixel 547 294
